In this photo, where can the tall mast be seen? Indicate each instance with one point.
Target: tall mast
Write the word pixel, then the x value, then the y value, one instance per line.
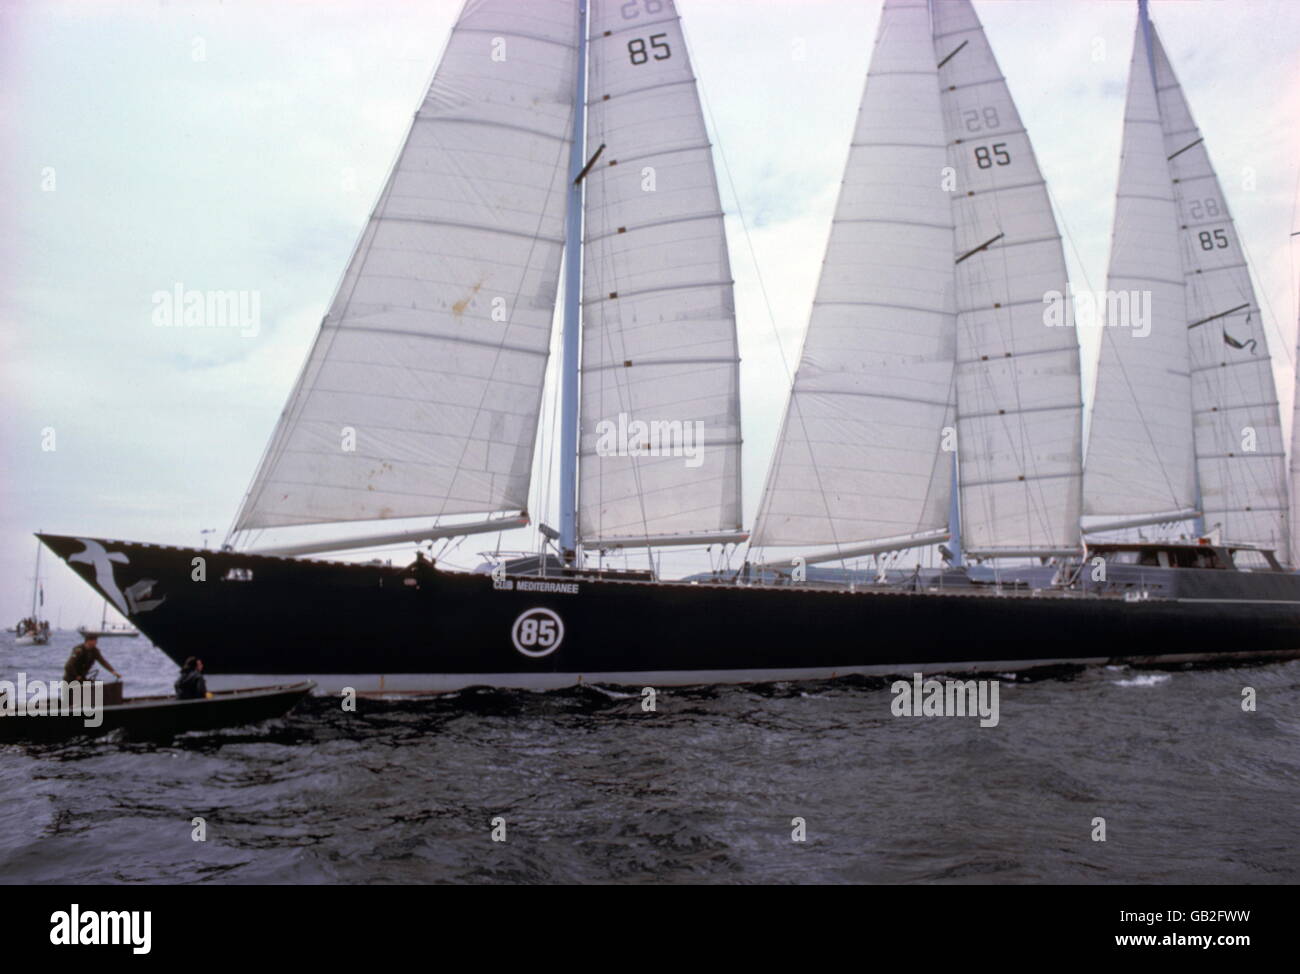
pixel 36 581
pixel 572 307
pixel 954 504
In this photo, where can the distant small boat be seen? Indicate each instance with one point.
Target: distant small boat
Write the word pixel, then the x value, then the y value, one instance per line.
pixel 105 631
pixel 125 632
pixel 34 631
pixel 162 717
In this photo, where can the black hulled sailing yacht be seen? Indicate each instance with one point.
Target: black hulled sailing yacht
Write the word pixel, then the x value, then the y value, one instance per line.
pixel 563 141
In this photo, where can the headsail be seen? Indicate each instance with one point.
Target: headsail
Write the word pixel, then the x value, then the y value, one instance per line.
pixel 1140 446
pixel 1240 460
pixel 659 328
pixel 434 348
pixel 859 455
pixel 1019 408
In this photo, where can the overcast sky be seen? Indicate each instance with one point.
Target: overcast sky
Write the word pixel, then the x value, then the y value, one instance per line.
pixel 240 145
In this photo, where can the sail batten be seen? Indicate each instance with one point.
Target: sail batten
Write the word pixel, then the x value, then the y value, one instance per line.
pixel 422 392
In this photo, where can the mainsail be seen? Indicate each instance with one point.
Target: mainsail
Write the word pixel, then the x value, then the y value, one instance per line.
pixel 1185 412
pixel 659 456
pixel 932 299
pixel 422 392
pixel 859 456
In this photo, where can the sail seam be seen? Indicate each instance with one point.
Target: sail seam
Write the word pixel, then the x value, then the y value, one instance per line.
pixel 621 295
pixel 489 123
pixel 1019 411
pixel 640 25
pixel 647 457
pixel 1241 456
pixel 459 338
pixel 656 153
pixel 1027 478
pixel 610 96
pixel 485 228
pixel 899 223
pixel 713 215
pixel 976 193
pixel 880 304
pixel 1012 356
pixel 497 32
pixel 898 145
pixel 586 369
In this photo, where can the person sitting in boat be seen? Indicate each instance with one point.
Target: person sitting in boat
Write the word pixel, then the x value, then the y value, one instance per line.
pixel 191 685
pixel 85 655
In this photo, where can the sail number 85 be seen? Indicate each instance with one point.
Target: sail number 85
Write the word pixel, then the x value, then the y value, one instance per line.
pixel 985 159
pixel 537 632
pixel 636 49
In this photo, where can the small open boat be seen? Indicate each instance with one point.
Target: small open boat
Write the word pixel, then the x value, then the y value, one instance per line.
pixel 162 717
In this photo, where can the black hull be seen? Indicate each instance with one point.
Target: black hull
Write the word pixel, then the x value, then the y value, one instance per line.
pixel 155 718
pixel 381 628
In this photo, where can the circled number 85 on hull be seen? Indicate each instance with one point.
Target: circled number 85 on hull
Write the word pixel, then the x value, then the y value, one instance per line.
pixel 537 632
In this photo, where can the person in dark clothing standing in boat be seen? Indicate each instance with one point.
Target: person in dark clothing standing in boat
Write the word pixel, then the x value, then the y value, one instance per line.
pixel 83 659
pixel 191 685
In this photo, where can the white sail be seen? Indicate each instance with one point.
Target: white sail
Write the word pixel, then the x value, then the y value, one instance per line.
pixel 659 331
pixel 1018 398
pixel 1240 459
pixel 859 458
pixel 1140 445
pixel 430 362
